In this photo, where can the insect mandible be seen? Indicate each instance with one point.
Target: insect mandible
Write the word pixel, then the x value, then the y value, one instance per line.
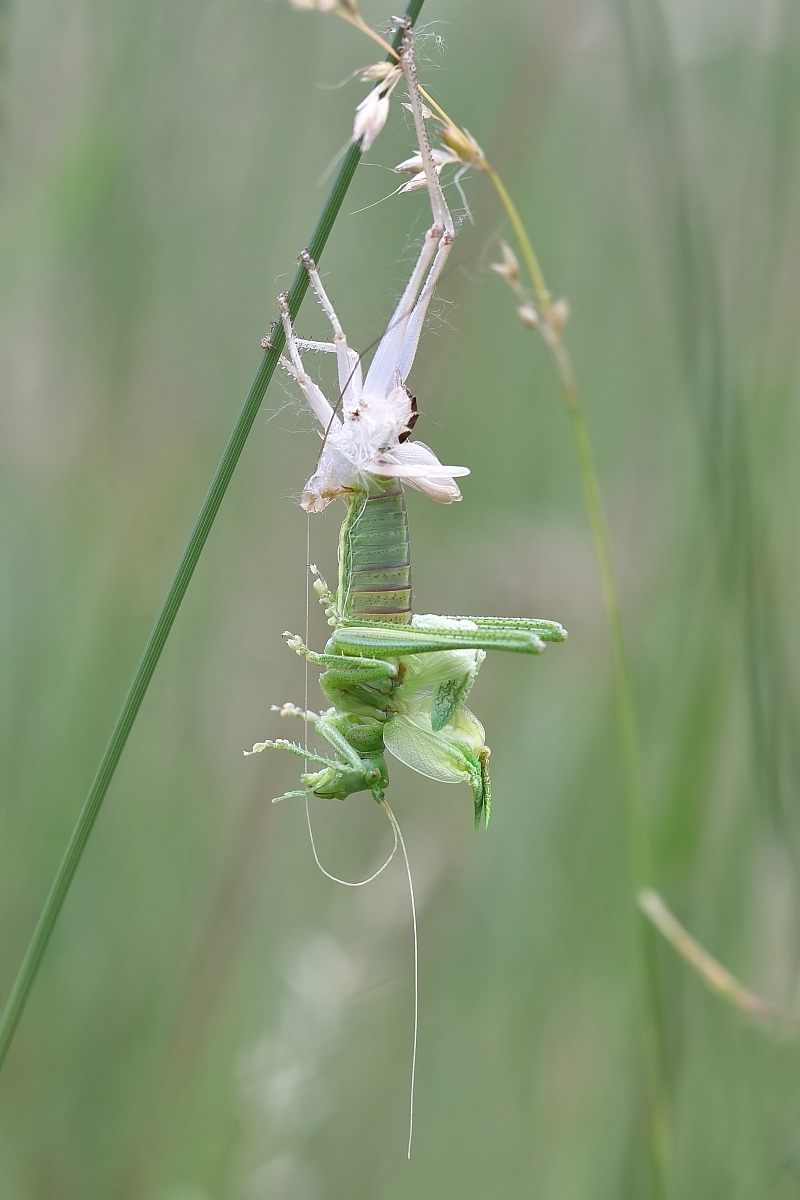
pixel 396 681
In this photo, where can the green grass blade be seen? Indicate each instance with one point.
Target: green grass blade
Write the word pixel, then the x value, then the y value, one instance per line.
pixel 26 975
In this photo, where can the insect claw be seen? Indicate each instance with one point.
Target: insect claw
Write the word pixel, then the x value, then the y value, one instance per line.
pixel 289 795
pixel 259 746
pixel 291 710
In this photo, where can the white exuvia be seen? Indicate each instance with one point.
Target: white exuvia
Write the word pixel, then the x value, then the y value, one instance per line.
pixel 365 435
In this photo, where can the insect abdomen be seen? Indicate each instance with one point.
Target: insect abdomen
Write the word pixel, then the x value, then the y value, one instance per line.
pixel 374 566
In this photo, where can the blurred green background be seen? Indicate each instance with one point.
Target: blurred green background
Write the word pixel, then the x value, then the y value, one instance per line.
pixel 214 1019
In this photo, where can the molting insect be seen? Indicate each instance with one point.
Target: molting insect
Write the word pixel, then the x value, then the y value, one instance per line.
pixel 395 681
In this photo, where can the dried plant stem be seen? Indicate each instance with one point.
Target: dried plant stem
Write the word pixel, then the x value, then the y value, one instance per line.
pixel 27 972
pixel 718 978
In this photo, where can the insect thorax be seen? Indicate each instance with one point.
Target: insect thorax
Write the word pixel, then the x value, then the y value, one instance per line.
pixel 374 567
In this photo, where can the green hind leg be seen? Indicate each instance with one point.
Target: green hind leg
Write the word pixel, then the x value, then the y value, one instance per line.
pixel 397 641
pixel 548 631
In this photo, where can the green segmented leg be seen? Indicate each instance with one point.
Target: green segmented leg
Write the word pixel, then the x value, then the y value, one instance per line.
pixel 293 748
pixel 352 668
pixel 548 631
pixel 340 778
pixel 401 640
pixel 324 728
pixel 485 807
pixel 340 743
pixel 357 702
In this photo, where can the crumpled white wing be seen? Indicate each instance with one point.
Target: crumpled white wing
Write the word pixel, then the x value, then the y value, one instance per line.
pixel 401 471
pixel 417 465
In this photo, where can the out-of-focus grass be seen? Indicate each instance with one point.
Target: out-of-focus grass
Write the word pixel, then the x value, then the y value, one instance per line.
pixel 214 1018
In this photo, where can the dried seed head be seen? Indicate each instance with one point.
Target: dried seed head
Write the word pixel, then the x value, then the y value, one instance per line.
pixel 414 164
pixel 325 6
pixel 376 72
pixel 371 117
pixel 558 316
pixel 462 143
pixel 426 112
pixel 509 267
pixel 416 184
pixel 528 315
pixel 373 110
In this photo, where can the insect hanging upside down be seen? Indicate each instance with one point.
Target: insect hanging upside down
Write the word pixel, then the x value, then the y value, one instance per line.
pixel 396 681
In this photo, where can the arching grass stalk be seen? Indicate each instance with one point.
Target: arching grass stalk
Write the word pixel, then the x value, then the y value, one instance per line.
pixel 26 975
pixel 549 318
pixel 718 978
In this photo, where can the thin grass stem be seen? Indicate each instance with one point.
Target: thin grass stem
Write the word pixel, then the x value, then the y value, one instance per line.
pixel 21 988
pixel 711 971
pixel 639 849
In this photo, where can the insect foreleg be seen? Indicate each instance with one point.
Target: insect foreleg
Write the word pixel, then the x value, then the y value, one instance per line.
pixel 339 742
pixel 353 772
pixel 293 748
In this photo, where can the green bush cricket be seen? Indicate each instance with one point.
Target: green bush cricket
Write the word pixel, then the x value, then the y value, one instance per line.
pixel 396 681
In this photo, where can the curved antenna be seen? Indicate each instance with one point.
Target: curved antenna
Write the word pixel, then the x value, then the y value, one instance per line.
pixel 375 874
pixel 398 835
pixel 398 840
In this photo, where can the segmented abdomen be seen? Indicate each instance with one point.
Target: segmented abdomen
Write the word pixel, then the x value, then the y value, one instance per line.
pixel 374 565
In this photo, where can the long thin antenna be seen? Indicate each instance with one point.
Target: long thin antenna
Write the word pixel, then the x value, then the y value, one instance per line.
pixel 307 631
pixel 398 835
pixel 350 882
pixel 398 839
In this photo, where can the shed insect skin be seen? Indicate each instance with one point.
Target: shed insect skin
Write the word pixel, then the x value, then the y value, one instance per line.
pixel 395 681
pixel 412 420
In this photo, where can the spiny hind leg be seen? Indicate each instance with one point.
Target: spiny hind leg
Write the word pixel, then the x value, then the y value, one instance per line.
pixel 401 640
pixel 548 631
